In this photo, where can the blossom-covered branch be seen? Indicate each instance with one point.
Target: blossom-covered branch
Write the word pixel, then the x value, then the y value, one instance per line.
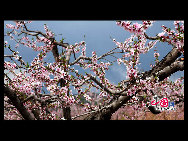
pixel 17 103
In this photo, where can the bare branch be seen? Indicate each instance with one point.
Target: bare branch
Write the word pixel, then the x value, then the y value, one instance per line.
pixel 174 67
pixel 151 38
pixel 79 58
pixel 90 58
pixel 29 32
pixel 106 54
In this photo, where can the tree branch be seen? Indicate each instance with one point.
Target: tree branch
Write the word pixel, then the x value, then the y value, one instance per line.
pixel 151 38
pixel 166 61
pixel 79 58
pixel 167 71
pixel 55 53
pixel 90 58
pixel 18 104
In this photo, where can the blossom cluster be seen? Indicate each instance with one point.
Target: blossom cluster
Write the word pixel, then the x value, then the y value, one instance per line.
pixel 173 37
pixel 18 24
pixel 135 28
pixel 9 66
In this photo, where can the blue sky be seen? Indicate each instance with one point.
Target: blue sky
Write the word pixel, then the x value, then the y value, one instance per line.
pixel 97 38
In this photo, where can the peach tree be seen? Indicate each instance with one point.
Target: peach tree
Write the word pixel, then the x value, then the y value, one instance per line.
pixel 25 98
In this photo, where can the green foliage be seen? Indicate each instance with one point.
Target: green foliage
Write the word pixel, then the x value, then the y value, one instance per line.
pixel 144 96
pixel 118 86
pixel 27 66
pixel 62 39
